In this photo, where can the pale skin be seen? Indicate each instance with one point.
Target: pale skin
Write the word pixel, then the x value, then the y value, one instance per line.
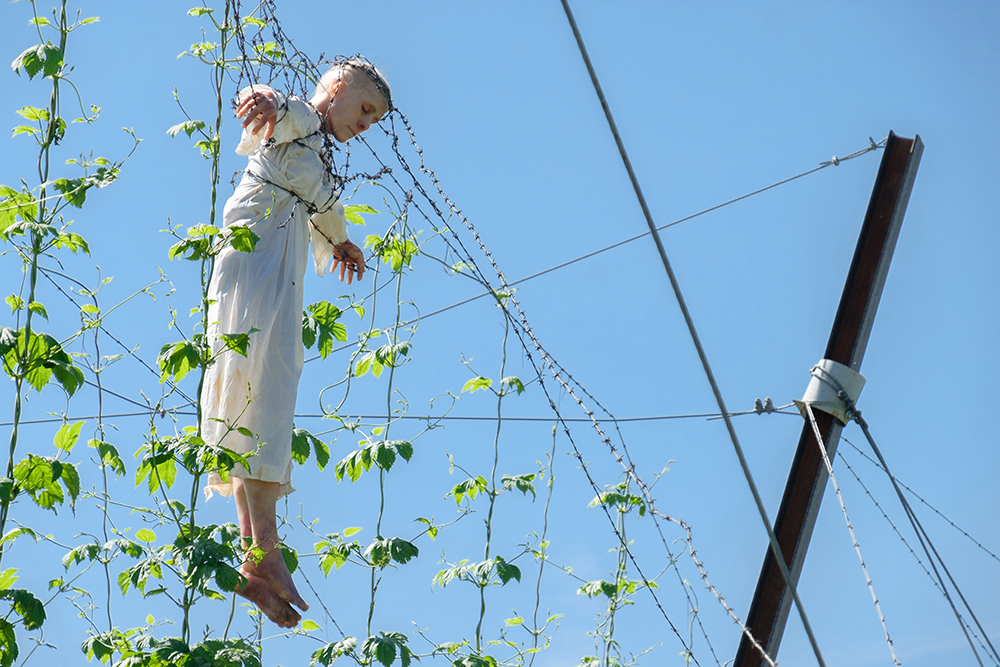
pixel 348 110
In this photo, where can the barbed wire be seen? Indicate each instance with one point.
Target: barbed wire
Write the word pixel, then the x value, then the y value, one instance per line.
pixel 925 541
pixel 295 79
pixel 520 326
pixel 689 321
pixel 178 411
pixel 925 502
pixel 903 539
pixel 854 414
pixel 850 529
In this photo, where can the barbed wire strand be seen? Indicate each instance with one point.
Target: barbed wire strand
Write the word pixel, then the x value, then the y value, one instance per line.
pixel 885 516
pixel 779 557
pixel 178 411
pixel 854 414
pixel 929 547
pixel 924 501
pixel 683 525
pixel 647 497
pixel 850 529
pixel 873 145
pixel 903 539
pixel 521 327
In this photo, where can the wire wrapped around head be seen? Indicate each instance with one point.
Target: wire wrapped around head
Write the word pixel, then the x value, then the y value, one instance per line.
pixel 359 62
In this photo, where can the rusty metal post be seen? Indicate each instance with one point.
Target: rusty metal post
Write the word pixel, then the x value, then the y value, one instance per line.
pixel 852 326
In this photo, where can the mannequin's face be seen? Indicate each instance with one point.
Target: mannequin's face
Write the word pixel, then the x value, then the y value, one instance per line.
pixel 354 106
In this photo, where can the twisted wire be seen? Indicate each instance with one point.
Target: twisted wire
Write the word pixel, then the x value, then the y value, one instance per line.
pixel 850 529
pixel 924 501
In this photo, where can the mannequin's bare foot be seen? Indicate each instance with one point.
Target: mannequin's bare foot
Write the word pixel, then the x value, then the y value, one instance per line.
pixel 261 594
pixel 273 570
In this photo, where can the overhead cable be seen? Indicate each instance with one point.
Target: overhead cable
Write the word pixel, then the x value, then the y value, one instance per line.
pixel 779 558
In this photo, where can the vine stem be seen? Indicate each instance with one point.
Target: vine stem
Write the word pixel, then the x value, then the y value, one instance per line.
pixel 493 489
pixel 36 250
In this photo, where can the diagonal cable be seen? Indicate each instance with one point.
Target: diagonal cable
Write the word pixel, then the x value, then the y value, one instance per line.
pixel 779 557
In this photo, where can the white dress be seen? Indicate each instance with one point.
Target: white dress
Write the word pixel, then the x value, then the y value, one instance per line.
pixel 285 197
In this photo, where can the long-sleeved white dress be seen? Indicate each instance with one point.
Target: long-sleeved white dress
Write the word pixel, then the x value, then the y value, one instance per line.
pixel 285 197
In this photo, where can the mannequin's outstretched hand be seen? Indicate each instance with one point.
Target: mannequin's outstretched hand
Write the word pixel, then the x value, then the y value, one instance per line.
pixel 262 107
pixel 351 261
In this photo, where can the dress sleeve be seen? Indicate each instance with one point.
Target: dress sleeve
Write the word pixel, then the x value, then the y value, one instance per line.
pixel 296 120
pixel 328 229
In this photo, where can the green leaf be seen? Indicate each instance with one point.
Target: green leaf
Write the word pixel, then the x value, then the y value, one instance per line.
pixel 24 129
pixel 69 376
pixel 8 577
pixel 506 571
pixel 227 577
pixel 8 644
pixel 402 551
pixel 513 383
pixel 260 24
pixel 209 147
pixel 291 558
pixel 521 482
pixel 109 456
pixel 177 360
pixel 383 551
pixel 145 535
pixel 385 646
pixel 242 238
pixel 475 661
pixel 67 436
pixel 188 126
pixel 598 587
pixel 352 211
pixel 74 189
pixel 326 655
pixel 200 11
pixel 39 476
pixel 38 58
pixel 196 249
pixel 432 530
pixel 309 626
pixel 16 303
pixel 470 488
pixel 354 464
pixel 100 646
pixel 80 554
pixel 28 607
pixel 238 343
pixel 12 535
pixel 301 440
pixel 300 445
pixel 624 502
pixel 385 455
pixel 72 242
pixel 477 383
pixel 319 321
pixel 38 308
pixel 15 204
pixel 71 480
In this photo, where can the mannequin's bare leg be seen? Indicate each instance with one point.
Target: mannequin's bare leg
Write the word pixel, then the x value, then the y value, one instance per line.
pixel 255 506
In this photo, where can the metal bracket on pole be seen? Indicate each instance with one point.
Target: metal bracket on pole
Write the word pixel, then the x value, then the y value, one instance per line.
pixel 853 324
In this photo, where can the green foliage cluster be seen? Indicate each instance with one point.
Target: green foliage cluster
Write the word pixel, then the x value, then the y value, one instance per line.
pixel 173 556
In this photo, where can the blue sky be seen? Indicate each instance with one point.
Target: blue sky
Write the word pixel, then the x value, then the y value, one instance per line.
pixel 713 101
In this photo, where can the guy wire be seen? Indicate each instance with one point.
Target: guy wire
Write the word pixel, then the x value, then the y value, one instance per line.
pixel 778 556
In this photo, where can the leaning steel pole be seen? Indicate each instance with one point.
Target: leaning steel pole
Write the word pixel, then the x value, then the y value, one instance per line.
pixel 852 327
